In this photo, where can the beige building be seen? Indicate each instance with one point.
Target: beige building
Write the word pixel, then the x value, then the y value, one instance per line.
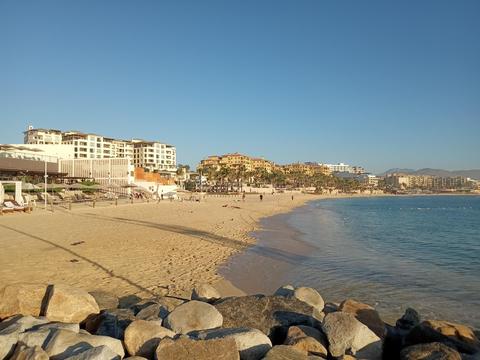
pixel 309 169
pixel 236 160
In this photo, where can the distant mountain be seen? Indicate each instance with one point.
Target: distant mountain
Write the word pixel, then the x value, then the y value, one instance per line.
pixel 473 173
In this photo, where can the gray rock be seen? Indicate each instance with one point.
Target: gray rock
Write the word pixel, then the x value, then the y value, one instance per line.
pixel 21 298
pixel 269 314
pixel 153 312
pixel 64 344
pixel 105 300
pixel 205 292
pixel 187 349
pixel 285 291
pixel 7 344
pixel 307 339
pixel 110 322
pixel 430 351
pixel 284 352
pixel 251 343
pixel 57 325
pixel 24 352
pixel 409 320
pixel 193 315
pixel 366 314
pixel 36 337
pixel 97 353
pixel 20 323
pixel 344 332
pixel 310 296
pixel 142 337
pixel 70 305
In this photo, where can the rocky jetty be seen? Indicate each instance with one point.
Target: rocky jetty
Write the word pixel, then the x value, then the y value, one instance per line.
pixel 41 321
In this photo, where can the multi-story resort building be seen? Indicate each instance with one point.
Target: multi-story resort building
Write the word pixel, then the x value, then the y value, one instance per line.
pixel 236 161
pixel 154 156
pixel 427 182
pixel 151 155
pixel 306 168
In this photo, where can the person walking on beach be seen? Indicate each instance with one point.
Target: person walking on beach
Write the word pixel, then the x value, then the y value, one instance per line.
pixel 292 197
pixel 261 197
pixel 243 196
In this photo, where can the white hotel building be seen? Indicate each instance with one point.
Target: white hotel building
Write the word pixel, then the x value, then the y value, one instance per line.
pixel 151 155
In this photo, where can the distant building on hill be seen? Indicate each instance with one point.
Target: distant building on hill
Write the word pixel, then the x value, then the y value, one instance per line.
pixel 427 182
pixel 236 161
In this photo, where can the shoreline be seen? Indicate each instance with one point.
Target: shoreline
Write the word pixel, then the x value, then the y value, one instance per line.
pixel 254 264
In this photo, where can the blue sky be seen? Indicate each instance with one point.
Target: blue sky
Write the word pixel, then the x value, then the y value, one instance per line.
pixel 376 83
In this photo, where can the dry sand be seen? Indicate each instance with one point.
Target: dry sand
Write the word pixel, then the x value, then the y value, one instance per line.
pixel 144 249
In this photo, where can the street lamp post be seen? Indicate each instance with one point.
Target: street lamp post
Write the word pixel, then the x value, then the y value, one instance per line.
pixel 45 193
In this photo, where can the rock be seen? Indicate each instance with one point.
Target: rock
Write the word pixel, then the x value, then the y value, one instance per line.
pixel 457 336
pixel 309 296
pixel 24 352
pixel 7 344
pixel 105 300
pixel 142 337
pixel 97 353
pixel 430 351
pixel 284 352
pixel 269 314
pixel 64 344
pixel 409 320
pixel 70 305
pixel 168 303
pixel 193 315
pixel 21 298
pixel 135 358
pixel 285 291
pixel 330 307
pixel 153 312
pixel 57 325
pixel 36 337
pixel 110 322
pixel 366 314
pixel 344 332
pixel 307 339
pixel 20 323
pixel 187 349
pixel 251 343
pixel 205 292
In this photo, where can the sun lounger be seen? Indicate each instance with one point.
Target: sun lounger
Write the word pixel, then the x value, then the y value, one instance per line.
pixel 14 206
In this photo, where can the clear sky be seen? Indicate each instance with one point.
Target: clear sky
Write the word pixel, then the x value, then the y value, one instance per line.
pixel 376 83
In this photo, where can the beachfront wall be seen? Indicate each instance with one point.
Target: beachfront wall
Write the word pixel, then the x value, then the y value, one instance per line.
pixel 113 172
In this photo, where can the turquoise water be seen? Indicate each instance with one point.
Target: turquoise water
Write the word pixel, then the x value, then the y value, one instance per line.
pixel 393 252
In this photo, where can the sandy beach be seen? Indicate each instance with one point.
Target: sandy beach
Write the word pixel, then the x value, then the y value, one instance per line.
pixel 143 248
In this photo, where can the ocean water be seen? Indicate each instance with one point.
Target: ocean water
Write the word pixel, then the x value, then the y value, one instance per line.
pixel 391 252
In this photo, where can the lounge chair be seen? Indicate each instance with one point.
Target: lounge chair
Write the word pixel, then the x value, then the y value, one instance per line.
pixel 14 206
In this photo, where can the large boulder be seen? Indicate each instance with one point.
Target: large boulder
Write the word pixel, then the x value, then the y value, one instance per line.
pixel 24 352
pixel 344 332
pixel 34 338
pixel 97 353
pixel 7 344
pixel 395 335
pixel 307 339
pixel 430 351
pixel 284 352
pixel 167 302
pixel 193 315
pixel 270 314
pixel 187 349
pixel 110 322
pixel 457 336
pixel 64 344
pixel 308 295
pixel 205 292
pixel 142 337
pixel 366 314
pixel 21 298
pixel 251 343
pixel 70 305
pixel 105 300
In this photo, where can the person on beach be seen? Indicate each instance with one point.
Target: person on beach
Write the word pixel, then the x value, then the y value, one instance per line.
pixel 261 197
pixel 292 197
pixel 243 196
